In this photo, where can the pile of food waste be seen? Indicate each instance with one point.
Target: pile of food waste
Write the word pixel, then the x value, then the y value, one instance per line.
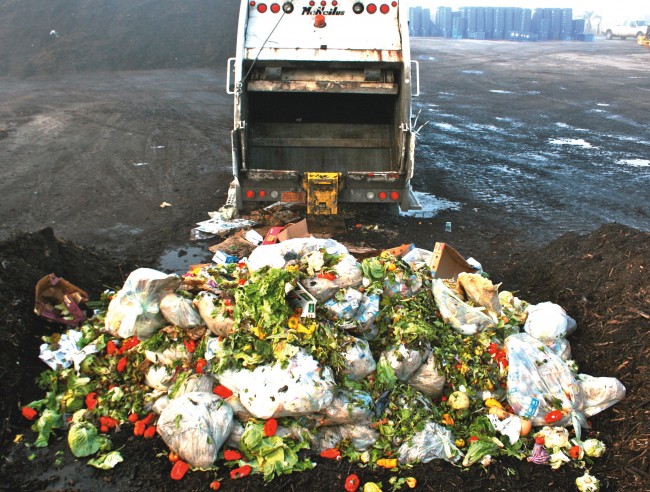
pixel 258 365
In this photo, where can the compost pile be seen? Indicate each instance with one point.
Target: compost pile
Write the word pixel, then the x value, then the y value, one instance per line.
pixel 239 375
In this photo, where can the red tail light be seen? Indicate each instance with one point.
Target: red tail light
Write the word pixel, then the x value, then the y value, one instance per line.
pixel 323 3
pixel 252 4
pixel 382 195
pixel 384 9
pixel 261 8
pixel 371 8
pixel 262 193
pixel 394 4
pixel 275 8
pixel 394 196
pixel 250 194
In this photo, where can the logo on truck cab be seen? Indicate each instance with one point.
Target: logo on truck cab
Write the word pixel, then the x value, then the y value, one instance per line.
pixel 322 11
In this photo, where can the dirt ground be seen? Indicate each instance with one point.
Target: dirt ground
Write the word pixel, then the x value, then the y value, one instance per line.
pixel 91 151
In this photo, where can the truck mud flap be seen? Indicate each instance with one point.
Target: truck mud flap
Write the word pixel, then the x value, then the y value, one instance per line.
pixel 413 202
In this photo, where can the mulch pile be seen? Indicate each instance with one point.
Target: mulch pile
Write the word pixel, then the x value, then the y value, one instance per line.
pixel 600 278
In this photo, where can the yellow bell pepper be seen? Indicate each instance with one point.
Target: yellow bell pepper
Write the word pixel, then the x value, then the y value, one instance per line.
pixel 491 402
pixel 411 482
pixel 387 462
pixel 447 419
pixel 371 487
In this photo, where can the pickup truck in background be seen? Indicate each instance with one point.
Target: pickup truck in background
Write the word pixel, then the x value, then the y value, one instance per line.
pixel 629 28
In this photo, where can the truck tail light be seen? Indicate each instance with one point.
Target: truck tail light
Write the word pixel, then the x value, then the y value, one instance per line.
pixel 252 3
pixel 319 20
pixel 394 196
pixel 370 195
pixel 261 8
pixel 384 9
pixel 275 8
pixel 382 195
pixel 261 193
pixel 394 4
pixel 357 8
pixel 250 194
pixel 287 7
pixel 371 8
pixel 275 194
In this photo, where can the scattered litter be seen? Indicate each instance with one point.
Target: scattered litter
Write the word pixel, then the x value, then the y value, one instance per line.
pixel 218 226
pixel 165 205
pixel 138 164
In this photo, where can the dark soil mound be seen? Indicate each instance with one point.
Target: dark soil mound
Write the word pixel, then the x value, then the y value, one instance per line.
pixel 63 36
pixel 600 278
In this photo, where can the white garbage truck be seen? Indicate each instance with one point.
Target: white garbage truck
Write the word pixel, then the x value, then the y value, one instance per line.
pixel 322 104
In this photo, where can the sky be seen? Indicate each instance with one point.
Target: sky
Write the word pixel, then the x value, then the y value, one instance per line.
pixel 607 9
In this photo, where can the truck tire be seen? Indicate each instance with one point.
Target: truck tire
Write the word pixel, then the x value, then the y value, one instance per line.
pixel 608 34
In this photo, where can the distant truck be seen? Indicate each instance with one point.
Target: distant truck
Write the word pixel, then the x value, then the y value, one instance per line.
pixel 629 28
pixel 322 104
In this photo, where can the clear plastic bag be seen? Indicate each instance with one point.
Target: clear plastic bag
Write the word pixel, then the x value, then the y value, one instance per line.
pixel 365 316
pixel 540 382
pixel 273 255
pixel 359 361
pixel 196 383
pixel 345 309
pixel 195 426
pixel 434 442
pixel 404 361
pixel 180 311
pixel 347 407
pixel 213 317
pixel 135 309
pixel 302 387
pixel 427 379
pixel 418 258
pixel 402 285
pixel 560 347
pixel 362 437
pixel 599 394
pixel 462 317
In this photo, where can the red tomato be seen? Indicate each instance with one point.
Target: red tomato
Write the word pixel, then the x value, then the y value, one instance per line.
pixel 179 470
pixel 148 420
pixel 91 400
pixel 222 391
pixel 216 485
pixel 270 426
pixel 173 457
pixel 121 364
pixel 553 416
pixel 240 472
pixel 231 455
pixel 190 345
pixel 150 432
pixel 331 453
pixel 540 440
pixel 200 365
pixel 133 418
pixel 574 452
pixel 139 428
pixel 352 483
pixel 103 429
pixel 472 439
pixel 111 348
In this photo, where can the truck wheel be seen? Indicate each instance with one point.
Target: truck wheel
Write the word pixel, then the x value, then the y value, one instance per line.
pixel 608 34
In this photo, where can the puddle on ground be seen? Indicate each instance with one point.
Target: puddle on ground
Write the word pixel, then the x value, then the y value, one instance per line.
pixel 178 260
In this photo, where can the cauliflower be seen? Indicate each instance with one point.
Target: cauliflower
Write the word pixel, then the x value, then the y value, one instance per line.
pixel 554 437
pixel 594 448
pixel 558 459
pixel 587 483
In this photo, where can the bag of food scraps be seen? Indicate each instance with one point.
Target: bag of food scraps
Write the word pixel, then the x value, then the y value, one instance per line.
pixel 481 291
pixel 462 317
pixel 359 361
pixel 347 407
pixel 362 437
pixel 599 394
pixel 541 386
pixel 427 379
pixel 345 304
pixel 548 321
pixel 403 360
pixel 135 309
pixel 302 387
pixel 213 314
pixel 180 311
pixel 195 426
pixel 434 442
pixel 365 316
pixel 277 255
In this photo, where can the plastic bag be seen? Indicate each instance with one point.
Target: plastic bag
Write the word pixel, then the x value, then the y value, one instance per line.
pixel 462 317
pixel 345 309
pixel 158 378
pixel 548 321
pixel 365 316
pixel 302 387
pixel 434 442
pixel 599 394
pixel 168 356
pixel 275 255
pixel 135 309
pixel 240 411
pixel 481 291
pixel 214 318
pixel 234 438
pixel 347 407
pixel 67 352
pixel 180 311
pixel 538 381
pixel 403 360
pixel 362 437
pixel 418 258
pixel 402 286
pixel 196 383
pixel 359 361
pixel 427 379
pixel 560 347
pixel 195 426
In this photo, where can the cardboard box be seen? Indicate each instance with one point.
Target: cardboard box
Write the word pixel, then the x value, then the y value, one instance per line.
pixel 293 231
pixel 221 258
pixel 299 298
pixel 446 262
pixel 272 236
pixel 399 251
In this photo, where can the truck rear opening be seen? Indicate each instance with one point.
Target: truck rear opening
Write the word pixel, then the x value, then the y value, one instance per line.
pixel 323 104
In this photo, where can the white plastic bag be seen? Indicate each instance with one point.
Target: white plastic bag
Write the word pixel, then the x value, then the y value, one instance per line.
pixel 158 378
pixel 345 309
pixel 179 311
pixel 418 258
pixel 362 437
pixel 168 356
pixel 599 394
pixel 365 316
pixel 135 309
pixel 347 407
pixel 462 317
pixel 403 360
pixel 359 361
pixel 273 255
pixel 402 285
pixel 539 381
pixel 196 383
pixel 548 321
pixel 273 391
pixel 427 379
pixel 214 318
pixel 560 347
pixel 195 426
pixel 431 443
